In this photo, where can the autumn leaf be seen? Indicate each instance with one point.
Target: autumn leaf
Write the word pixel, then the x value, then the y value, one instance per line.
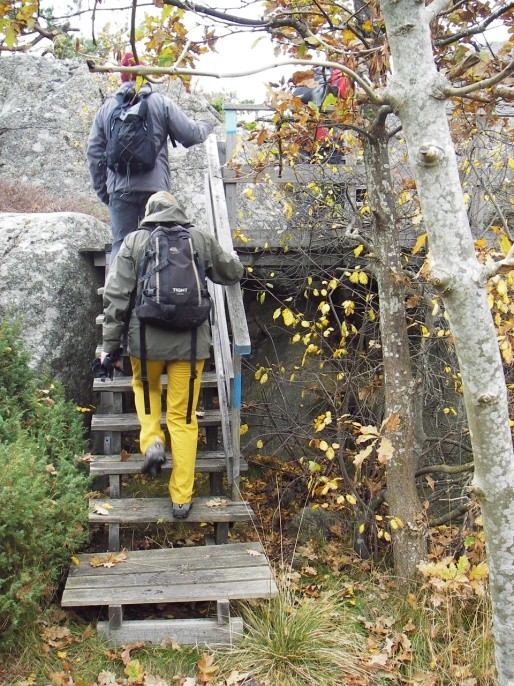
pixel 102 509
pixel 253 553
pixel 135 672
pixel 206 667
pixel 109 560
pixel 217 502
pixel 124 456
pixel 51 470
pixel 420 242
pixel 362 455
pixel 385 451
pixel 127 648
pixel 391 423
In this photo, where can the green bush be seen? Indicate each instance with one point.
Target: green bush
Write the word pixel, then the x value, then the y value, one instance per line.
pixel 43 508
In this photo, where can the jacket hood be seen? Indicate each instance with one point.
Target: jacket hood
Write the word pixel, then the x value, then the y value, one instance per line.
pixel 163 208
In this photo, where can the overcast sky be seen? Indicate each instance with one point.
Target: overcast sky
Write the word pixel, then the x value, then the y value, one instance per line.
pixel 235 53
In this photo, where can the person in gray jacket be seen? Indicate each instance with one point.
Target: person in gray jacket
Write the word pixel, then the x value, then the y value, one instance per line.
pixel 127 194
pixel 168 352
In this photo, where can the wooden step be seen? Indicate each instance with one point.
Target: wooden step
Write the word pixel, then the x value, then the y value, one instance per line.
pixel 183 632
pixel 234 571
pixel 151 510
pixel 206 461
pixel 123 384
pixel 130 422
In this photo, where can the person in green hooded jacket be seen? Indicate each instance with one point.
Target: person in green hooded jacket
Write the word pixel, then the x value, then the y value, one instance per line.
pixel 167 351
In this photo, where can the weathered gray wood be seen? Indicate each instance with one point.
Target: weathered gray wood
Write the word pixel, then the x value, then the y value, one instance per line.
pixel 250 553
pixel 221 533
pixel 206 461
pixel 114 485
pixel 114 543
pixel 236 310
pixel 183 581
pixel 145 510
pixel 115 617
pixel 229 572
pixel 234 589
pixel 181 631
pixel 124 383
pixel 223 611
pixel 130 422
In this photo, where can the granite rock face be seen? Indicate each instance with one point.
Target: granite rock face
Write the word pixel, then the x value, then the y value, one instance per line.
pixel 50 283
pixel 47 271
pixel 47 107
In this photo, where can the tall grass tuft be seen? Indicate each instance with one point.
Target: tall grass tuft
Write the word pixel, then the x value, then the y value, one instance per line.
pixel 292 641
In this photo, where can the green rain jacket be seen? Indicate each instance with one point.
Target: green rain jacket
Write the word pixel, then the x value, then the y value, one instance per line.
pixel 220 267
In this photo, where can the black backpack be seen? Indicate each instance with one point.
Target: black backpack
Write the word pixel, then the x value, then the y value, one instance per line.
pixel 130 144
pixel 171 293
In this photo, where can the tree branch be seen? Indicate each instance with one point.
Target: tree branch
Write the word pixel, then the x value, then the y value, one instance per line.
pixel 435 8
pixel 240 21
pixel 505 265
pixel 144 70
pixel 481 85
pixel 478 28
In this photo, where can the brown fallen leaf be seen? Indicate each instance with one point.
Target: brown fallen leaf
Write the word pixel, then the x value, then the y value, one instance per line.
pixel 217 502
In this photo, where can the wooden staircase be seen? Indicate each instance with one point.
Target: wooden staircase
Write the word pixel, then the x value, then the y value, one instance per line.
pixel 218 572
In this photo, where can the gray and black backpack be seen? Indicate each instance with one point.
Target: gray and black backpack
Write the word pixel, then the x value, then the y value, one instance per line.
pixel 171 292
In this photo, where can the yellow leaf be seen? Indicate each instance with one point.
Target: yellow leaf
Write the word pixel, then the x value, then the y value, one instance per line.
pixel 420 242
pixel 511 164
pixel 260 444
pixel 75 560
pixel 288 317
pixel 351 499
pixel 243 429
pixel 357 251
pixel 264 378
pixel 277 312
pixel 363 278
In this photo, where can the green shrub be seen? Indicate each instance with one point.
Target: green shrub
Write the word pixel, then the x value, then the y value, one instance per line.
pixel 43 508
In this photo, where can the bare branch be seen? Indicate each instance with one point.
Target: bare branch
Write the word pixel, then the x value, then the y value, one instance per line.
pixel 504 92
pixel 481 85
pixel 241 21
pixel 144 70
pixel 478 28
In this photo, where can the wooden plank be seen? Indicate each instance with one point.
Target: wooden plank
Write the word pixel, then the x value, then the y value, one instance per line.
pixel 183 581
pixel 130 422
pixel 206 461
pixel 123 384
pixel 144 595
pixel 181 631
pixel 146 510
pixel 236 310
pixel 168 559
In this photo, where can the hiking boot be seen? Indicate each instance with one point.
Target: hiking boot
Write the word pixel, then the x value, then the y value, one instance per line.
pixel 182 511
pixel 155 457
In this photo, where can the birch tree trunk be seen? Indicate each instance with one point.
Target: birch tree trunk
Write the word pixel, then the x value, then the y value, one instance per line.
pixel 416 93
pixel 409 541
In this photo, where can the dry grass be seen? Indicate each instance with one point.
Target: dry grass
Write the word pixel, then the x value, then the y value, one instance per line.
pixel 18 197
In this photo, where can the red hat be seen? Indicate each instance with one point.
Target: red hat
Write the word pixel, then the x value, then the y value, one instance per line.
pixel 128 61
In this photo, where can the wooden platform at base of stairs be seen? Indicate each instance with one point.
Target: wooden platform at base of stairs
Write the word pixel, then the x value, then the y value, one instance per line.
pixel 220 574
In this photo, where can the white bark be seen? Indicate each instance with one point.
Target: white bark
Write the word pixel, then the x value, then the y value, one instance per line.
pixel 416 93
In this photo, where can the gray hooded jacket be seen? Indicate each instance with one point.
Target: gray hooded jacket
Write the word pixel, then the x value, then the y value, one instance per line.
pixel 220 267
pixel 167 120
